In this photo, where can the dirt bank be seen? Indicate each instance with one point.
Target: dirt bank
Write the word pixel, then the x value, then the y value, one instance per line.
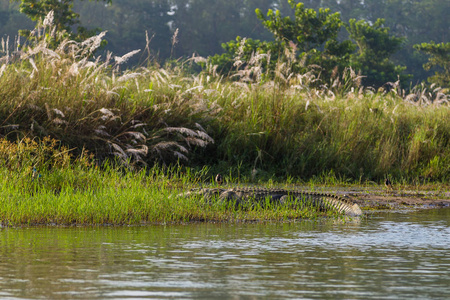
pixel 400 199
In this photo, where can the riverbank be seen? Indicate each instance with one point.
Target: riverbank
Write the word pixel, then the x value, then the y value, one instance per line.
pixel 401 200
pixel 42 183
pixel 79 137
pixel 86 196
pixel 376 197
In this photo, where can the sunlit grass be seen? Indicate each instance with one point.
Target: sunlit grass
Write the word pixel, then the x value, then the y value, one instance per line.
pixel 123 199
pixel 80 193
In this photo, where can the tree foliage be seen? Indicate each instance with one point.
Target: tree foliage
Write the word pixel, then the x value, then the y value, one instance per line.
pixel 309 29
pixel 375 47
pixel 439 58
pixel 64 18
pixel 313 35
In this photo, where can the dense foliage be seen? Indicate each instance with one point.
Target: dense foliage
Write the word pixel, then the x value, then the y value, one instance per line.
pixel 312 37
pixel 375 48
pixel 204 25
pixel 439 57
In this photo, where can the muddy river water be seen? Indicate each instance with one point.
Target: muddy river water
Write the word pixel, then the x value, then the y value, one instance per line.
pixel 388 255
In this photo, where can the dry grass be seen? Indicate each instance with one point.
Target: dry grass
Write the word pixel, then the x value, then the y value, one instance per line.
pixel 86 101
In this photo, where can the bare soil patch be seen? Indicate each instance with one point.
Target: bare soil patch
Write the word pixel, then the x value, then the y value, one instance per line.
pixel 400 199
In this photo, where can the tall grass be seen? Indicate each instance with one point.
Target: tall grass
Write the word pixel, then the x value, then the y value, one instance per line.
pixel 287 127
pixel 86 102
pixel 252 124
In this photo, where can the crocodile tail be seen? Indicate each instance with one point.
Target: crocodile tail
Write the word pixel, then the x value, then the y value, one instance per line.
pixel 341 205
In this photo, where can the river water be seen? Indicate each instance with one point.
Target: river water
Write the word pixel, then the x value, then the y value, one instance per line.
pixel 393 255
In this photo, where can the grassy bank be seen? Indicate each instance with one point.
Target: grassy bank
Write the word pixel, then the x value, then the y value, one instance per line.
pixel 67 191
pixel 42 183
pixel 253 126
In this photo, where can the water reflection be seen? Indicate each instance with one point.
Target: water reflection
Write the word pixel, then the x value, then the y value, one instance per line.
pixel 392 255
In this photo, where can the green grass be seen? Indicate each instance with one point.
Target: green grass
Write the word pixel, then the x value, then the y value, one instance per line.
pixel 112 196
pixel 42 183
pixel 67 190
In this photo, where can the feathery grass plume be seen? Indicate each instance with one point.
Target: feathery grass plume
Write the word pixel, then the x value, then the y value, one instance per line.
pixel 93 43
pixel 48 20
pixel 421 96
pixel 2 69
pixel 174 41
pixel 123 59
pixel 88 104
pixel 128 76
pixel 349 83
pixel 5 45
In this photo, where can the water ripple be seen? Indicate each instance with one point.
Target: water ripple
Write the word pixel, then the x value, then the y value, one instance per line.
pixel 388 256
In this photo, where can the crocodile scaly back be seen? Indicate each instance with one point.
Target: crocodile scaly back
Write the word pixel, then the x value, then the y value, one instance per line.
pixel 258 195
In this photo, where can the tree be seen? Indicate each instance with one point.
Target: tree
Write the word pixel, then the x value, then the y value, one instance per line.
pixel 315 35
pixel 375 46
pixel 417 21
pixel 64 18
pixel 311 35
pixel 310 29
pixel 439 57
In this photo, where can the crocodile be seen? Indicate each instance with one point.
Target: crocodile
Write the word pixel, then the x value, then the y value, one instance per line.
pixel 242 196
